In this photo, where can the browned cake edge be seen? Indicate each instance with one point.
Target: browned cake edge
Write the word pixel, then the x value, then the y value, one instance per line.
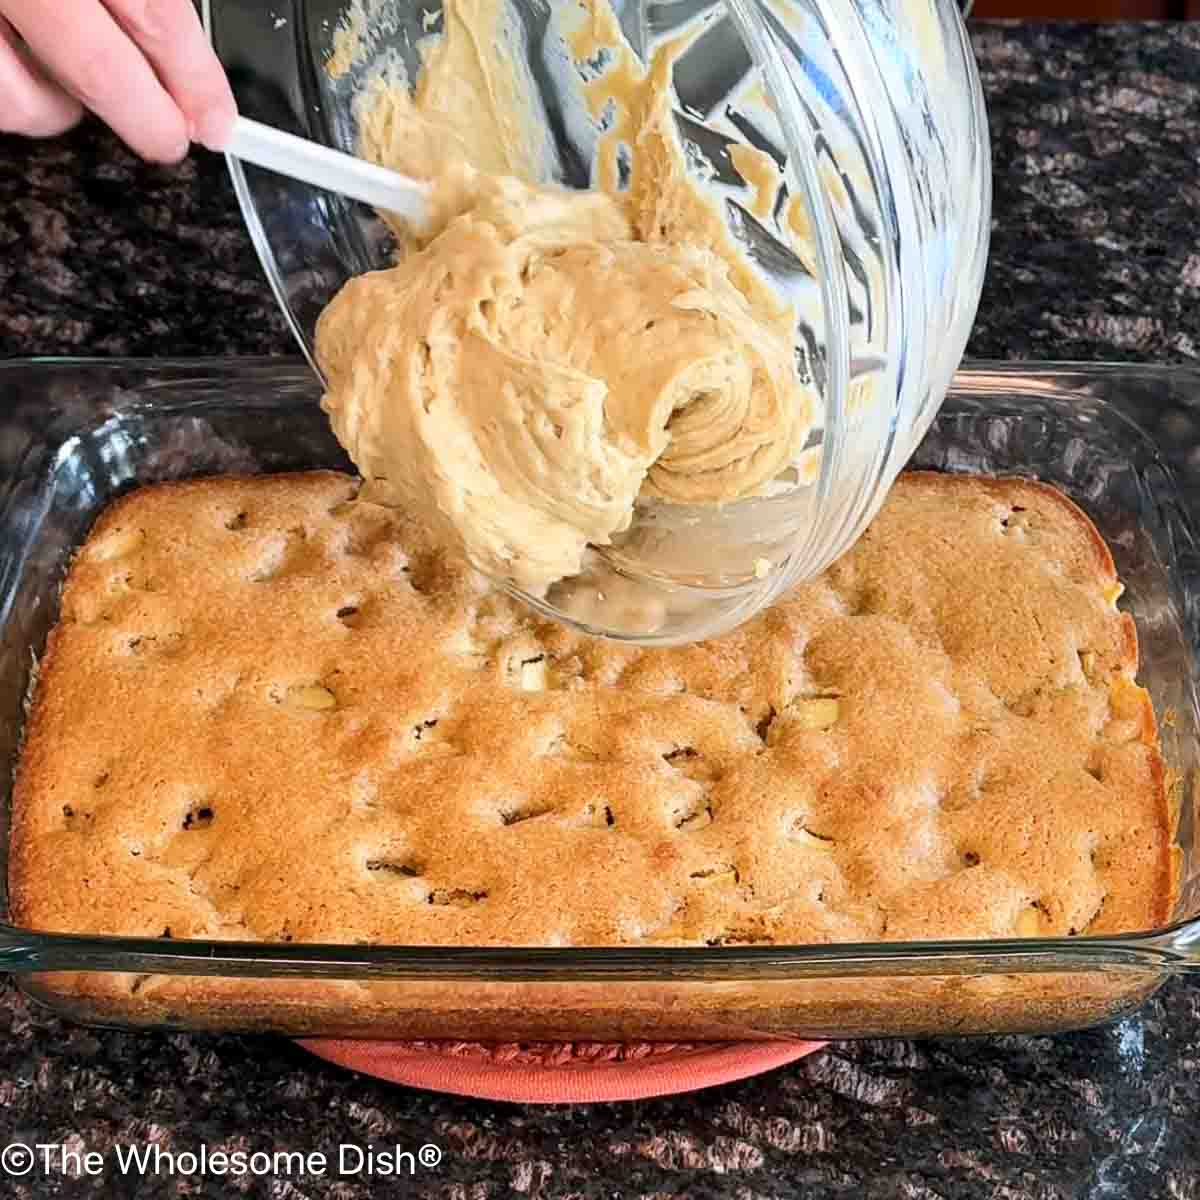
pixel 34 748
pixel 1166 888
pixel 1106 569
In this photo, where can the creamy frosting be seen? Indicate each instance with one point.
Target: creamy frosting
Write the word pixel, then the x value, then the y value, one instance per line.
pixel 540 359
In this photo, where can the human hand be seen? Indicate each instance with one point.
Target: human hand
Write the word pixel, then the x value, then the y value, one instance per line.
pixel 143 66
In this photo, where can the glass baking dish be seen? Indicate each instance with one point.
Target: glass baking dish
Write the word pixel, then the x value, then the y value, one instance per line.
pixel 73 434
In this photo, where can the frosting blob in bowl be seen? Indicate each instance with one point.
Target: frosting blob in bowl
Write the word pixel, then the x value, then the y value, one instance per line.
pixel 623 370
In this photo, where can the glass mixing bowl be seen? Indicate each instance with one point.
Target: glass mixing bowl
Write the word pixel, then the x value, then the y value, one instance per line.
pixel 871 110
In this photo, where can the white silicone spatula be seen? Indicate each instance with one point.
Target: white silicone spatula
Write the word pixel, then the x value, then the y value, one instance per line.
pixel 381 188
pixel 310 162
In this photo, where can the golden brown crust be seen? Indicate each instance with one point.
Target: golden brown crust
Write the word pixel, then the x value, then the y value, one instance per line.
pixel 270 713
pixel 664 1011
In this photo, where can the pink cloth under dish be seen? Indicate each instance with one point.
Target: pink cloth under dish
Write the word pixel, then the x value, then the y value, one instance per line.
pixel 559 1073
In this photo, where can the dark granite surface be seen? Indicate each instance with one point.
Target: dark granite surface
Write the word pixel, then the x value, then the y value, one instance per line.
pixel 1095 256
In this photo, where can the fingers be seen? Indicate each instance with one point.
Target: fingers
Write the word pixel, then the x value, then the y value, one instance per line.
pixel 30 104
pixel 143 66
pixel 170 35
pixel 94 59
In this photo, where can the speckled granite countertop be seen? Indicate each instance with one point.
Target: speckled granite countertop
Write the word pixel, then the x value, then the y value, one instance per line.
pixel 1095 256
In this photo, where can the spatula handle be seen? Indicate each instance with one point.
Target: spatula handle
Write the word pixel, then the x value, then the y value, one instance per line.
pixel 310 162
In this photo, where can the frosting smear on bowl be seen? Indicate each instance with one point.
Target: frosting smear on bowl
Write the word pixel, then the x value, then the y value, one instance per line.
pixel 540 359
